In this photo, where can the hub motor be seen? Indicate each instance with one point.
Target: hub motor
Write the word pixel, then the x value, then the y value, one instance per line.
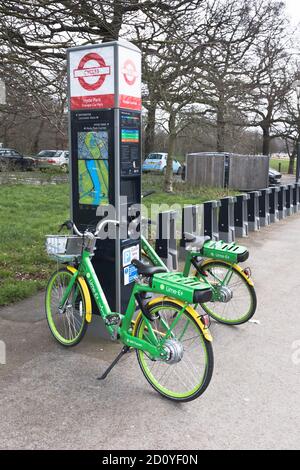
pixel 174 350
pixel 225 294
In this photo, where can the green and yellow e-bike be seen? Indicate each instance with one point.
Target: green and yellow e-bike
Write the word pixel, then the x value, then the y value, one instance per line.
pixel 172 341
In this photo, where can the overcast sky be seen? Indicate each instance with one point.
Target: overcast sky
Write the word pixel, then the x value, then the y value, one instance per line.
pixel 293 8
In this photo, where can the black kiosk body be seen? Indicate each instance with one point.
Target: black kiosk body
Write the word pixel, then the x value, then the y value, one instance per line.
pixel 105 148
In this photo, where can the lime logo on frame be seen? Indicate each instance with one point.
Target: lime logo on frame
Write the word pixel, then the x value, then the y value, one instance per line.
pixel 2 353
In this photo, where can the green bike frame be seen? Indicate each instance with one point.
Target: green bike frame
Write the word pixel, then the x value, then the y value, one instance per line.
pixel 152 346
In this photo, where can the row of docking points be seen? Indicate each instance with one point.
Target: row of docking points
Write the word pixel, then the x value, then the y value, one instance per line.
pixel 225 219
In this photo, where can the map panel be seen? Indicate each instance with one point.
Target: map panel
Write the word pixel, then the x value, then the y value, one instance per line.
pixel 93 167
pixel 92 145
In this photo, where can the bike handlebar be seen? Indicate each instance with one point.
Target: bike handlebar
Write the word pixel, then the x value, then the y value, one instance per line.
pixel 103 222
pixel 69 224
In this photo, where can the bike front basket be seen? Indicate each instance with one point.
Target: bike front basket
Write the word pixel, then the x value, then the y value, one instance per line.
pixel 64 248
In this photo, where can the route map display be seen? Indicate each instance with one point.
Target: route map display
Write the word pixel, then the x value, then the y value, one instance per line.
pixel 93 178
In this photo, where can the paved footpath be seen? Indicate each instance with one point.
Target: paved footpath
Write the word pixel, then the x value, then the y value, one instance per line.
pixel 50 398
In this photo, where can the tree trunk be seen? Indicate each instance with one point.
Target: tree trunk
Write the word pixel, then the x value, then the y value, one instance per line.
pixel 266 140
pixel 168 183
pixel 292 161
pixel 35 142
pixel 115 25
pixel 150 130
pixel 221 128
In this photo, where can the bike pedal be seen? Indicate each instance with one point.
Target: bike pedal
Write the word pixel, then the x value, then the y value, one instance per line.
pixel 113 319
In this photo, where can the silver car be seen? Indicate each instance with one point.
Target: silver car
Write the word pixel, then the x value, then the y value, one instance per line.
pixel 53 158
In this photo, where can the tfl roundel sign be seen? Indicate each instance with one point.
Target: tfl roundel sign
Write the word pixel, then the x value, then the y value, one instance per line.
pixel 105 76
pixel 129 72
pixel 92 71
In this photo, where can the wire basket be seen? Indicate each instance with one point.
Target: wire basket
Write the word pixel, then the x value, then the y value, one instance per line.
pixel 64 247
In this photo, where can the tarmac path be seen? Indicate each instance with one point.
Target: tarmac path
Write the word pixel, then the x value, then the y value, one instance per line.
pixel 50 398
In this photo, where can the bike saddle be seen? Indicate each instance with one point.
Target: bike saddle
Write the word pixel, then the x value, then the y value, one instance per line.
pixel 146 269
pixel 195 240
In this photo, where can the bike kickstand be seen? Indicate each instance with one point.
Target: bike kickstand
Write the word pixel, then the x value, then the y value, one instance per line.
pixel 123 351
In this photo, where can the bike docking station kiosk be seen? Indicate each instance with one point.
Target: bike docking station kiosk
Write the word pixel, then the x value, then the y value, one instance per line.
pixel 104 87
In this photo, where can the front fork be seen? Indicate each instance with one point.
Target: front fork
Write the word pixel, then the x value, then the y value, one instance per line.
pixel 67 292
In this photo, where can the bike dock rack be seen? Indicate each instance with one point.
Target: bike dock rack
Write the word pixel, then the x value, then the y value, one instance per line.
pixel 273 204
pixel 211 225
pixel 289 199
pixel 165 243
pixel 263 203
pixel 226 219
pixel 192 222
pixel 296 201
pixel 282 202
pixel 241 215
pixel 253 211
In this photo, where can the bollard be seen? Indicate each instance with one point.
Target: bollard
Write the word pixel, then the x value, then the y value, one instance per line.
pixel 241 215
pixel 165 243
pixel 264 207
pixel 226 219
pixel 253 211
pixel 192 222
pixel 211 225
pixel 273 204
pixel 281 202
pixel 289 199
pixel 296 202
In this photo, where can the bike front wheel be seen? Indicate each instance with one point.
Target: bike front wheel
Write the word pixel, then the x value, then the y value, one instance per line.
pixel 234 300
pixel 186 374
pixel 67 325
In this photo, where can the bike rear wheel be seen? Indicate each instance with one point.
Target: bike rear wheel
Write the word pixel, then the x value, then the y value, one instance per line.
pixel 188 378
pixel 68 326
pixel 241 306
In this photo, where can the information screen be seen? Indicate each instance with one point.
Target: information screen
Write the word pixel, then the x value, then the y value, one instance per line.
pixel 130 131
pixel 93 174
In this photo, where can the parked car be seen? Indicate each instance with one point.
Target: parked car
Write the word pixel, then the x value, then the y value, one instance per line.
pixel 158 162
pixel 10 160
pixel 53 158
pixel 274 177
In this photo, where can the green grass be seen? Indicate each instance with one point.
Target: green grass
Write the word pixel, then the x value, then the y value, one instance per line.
pixel 29 212
pixel 274 163
pixel 182 194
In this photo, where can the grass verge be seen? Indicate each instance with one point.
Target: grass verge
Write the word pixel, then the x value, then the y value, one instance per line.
pixel 29 212
pixel 274 163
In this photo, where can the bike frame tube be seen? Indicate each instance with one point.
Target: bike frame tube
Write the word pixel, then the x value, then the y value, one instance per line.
pixel 151 253
pixel 187 266
pixel 86 269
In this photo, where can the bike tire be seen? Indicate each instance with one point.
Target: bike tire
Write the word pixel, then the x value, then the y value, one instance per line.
pixel 247 290
pixel 66 328
pixel 204 354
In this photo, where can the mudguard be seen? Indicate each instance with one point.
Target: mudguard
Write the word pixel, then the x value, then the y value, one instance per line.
pixel 86 293
pixel 190 309
pixel 236 266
